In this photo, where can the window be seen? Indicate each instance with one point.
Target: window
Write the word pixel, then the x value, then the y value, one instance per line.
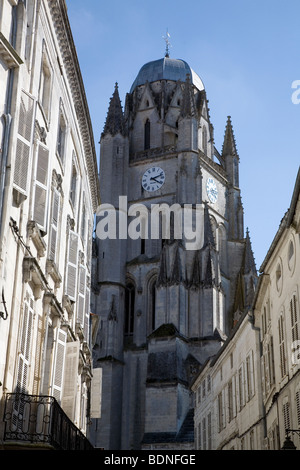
pixel 220 411
pixel 286 414
pixel 282 346
pixel 41 187
pixel 147 135
pixel 25 345
pixel 291 257
pixel 24 138
pixel 294 318
pixel 45 85
pixel 73 186
pixel 61 136
pixel 72 265
pixel 83 220
pixel 278 277
pixel 152 295
pixel 209 435
pixel 298 405
pixel 204 434
pixel 55 211
pixel 241 387
pixel 230 401
pixel 204 140
pixel 129 309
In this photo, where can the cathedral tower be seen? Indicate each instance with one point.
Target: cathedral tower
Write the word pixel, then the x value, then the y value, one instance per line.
pixel 171 280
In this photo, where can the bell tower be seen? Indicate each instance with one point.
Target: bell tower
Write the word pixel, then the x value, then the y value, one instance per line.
pixel 167 300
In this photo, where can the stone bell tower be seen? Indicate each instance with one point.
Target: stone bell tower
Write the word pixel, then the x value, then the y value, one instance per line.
pixel 164 303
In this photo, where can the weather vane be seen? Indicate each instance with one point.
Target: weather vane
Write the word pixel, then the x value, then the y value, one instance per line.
pixel 168 44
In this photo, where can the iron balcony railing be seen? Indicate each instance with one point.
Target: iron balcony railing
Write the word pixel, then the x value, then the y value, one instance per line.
pixel 40 420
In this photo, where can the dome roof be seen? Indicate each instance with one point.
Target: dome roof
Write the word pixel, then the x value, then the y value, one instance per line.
pixel 166 69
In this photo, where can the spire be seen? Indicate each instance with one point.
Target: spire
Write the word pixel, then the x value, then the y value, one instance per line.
pixel 188 107
pixel 115 122
pixel 229 145
pixel 249 262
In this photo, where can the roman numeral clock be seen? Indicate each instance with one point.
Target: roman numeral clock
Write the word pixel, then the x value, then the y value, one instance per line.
pixel 153 179
pixel 211 190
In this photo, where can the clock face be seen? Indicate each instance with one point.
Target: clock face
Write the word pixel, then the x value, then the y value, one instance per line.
pixel 211 189
pixel 153 179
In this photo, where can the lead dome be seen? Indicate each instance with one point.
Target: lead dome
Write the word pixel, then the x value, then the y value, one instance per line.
pixel 166 69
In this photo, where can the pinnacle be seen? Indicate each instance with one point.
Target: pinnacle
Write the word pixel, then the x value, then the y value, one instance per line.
pixel 115 122
pixel 229 145
pixel 249 262
pixel 188 107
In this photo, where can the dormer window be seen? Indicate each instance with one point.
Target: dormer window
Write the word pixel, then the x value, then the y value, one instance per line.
pixel 147 135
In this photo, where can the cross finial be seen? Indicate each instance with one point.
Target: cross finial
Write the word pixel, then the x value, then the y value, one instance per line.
pixel 168 44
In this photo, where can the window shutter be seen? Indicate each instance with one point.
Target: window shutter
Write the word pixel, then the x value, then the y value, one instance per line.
pixel 234 396
pixel 23 147
pixel 282 346
pixel 263 374
pixel 81 296
pixel 72 265
pixel 294 318
pixel 286 415
pixel 25 345
pixel 298 406
pixel 41 187
pixel 18 419
pixel 59 364
pixel 87 314
pixel 54 225
pixel 68 401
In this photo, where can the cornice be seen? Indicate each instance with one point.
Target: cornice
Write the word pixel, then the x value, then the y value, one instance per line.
pixel 59 15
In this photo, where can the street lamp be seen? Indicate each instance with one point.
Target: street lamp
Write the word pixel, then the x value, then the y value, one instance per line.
pixel 288 443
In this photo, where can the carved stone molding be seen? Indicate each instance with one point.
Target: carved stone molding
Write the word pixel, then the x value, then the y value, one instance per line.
pixel 35 234
pixel 56 311
pixel 52 270
pixel 33 275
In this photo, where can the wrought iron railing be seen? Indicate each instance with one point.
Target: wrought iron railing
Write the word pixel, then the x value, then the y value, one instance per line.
pixel 40 420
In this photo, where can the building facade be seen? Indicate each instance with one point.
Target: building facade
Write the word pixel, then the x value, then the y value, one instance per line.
pixel 228 397
pixel 253 400
pixel 49 195
pixel 276 311
pixel 166 300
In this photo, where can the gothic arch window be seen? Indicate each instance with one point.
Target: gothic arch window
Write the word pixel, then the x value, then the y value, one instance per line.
pixel 204 140
pixel 151 304
pixel 129 309
pixel 222 247
pixel 147 135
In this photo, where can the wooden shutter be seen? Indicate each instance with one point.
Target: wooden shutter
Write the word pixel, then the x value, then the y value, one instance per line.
pixel 41 187
pixel 59 364
pixel 23 144
pixel 68 401
pixel 298 406
pixel 286 414
pixel 25 346
pixel 72 265
pixel 282 346
pixel 18 420
pixel 294 318
pixel 87 315
pixel 81 296
pixel 54 225
pixel 234 396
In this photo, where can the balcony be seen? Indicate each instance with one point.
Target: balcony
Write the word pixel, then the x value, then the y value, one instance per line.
pixel 34 421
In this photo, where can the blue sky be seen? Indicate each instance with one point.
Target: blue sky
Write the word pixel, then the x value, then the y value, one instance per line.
pixel 247 54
